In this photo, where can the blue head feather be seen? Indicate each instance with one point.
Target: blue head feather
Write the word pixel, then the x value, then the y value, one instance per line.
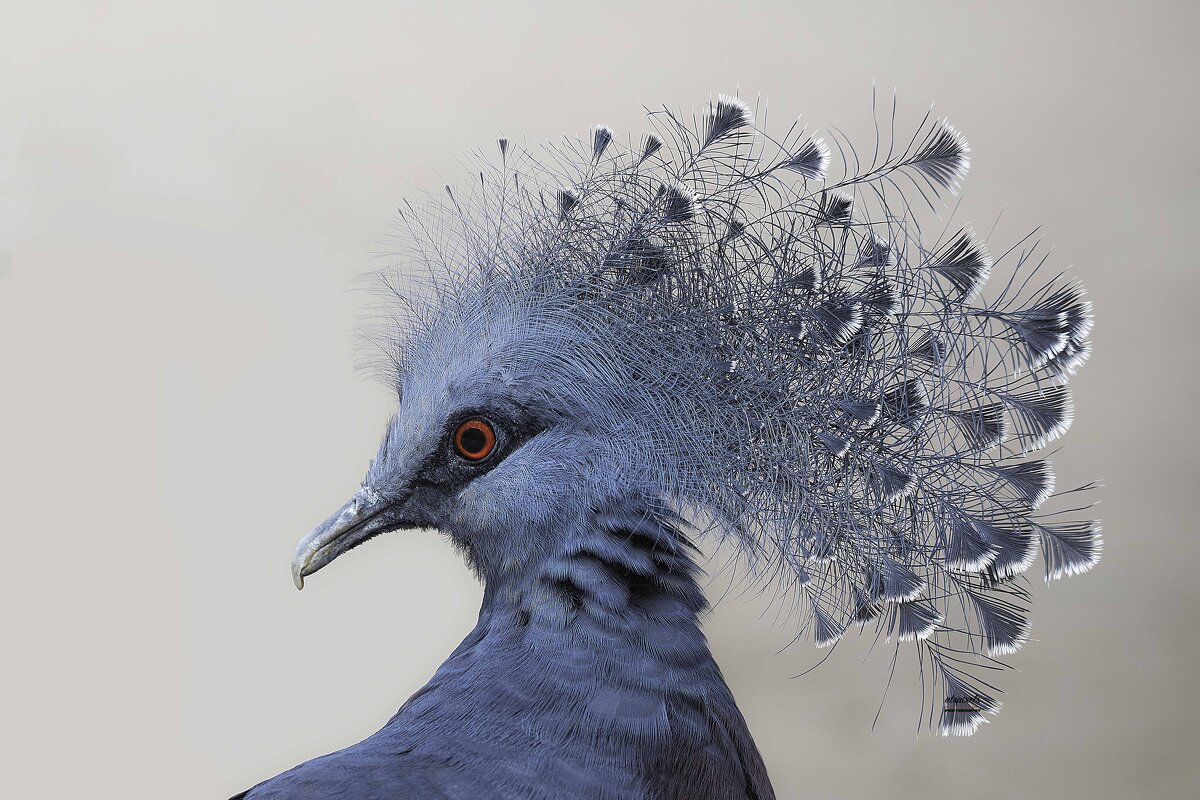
pixel 714 322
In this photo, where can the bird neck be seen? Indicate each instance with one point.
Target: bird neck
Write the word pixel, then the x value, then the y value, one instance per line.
pixel 625 570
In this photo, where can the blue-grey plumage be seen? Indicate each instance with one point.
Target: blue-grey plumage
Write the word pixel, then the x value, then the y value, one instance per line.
pixel 586 676
pixel 617 351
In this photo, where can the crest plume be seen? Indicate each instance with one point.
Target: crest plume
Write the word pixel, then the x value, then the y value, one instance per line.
pixel 777 345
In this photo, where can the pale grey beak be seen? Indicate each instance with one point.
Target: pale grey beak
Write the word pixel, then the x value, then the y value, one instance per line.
pixel 365 516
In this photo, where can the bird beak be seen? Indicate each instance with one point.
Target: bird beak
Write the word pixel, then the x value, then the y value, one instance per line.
pixel 365 516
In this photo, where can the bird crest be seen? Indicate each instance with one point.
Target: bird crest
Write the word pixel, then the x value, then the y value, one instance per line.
pixel 762 336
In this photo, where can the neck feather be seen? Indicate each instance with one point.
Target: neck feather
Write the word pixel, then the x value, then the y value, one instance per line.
pixel 626 564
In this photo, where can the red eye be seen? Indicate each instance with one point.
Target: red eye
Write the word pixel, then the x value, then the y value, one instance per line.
pixel 474 440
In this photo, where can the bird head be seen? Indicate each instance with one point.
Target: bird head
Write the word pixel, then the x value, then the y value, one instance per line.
pixel 522 412
pixel 711 322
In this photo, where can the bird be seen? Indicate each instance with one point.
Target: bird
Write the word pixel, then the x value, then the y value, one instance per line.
pixel 609 354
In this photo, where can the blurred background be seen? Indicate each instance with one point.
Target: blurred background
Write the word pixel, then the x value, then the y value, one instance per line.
pixel 187 191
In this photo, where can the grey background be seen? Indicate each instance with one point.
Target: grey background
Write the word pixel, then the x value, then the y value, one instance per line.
pixel 186 192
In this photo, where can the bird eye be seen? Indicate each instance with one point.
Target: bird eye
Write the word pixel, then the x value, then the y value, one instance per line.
pixel 475 439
